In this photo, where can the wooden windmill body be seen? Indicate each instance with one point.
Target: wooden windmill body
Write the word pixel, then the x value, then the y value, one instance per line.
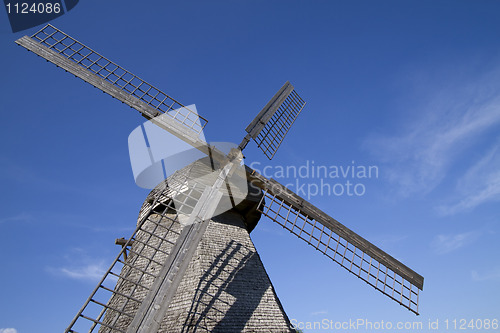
pixel 224 287
pixel 190 265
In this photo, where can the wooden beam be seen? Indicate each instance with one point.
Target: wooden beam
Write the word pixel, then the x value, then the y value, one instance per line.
pixel 122 241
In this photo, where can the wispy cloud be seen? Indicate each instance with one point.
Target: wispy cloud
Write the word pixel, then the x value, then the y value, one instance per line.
pixel 28 176
pixel 317 313
pixel 8 330
pixel 444 244
pixel 387 240
pixel 92 272
pixel 20 173
pixel 22 217
pixel 80 266
pixel 493 275
pixel 480 184
pixel 272 229
pixel 452 122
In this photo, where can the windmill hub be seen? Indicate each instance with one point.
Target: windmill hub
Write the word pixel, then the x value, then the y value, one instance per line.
pixel 239 195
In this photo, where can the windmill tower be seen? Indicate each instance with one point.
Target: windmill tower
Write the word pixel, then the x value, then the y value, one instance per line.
pixel 190 265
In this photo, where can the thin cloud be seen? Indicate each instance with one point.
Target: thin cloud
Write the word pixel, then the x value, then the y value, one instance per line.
pixel 420 157
pixel 493 275
pixel 8 330
pixel 22 217
pixel 480 184
pixel 90 272
pixel 114 229
pixel 80 266
pixel 386 240
pixel 317 313
pixel 268 228
pixel 444 244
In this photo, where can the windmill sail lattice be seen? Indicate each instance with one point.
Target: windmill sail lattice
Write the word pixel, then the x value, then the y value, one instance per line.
pixel 190 264
pixel 339 243
pixel 271 125
pixel 65 45
pixel 80 60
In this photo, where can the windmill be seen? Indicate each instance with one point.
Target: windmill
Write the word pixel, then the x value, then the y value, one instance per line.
pixel 190 264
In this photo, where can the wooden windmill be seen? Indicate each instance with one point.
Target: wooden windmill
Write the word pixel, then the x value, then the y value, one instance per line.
pixel 190 266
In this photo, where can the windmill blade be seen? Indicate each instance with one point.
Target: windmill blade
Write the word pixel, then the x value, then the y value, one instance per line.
pixel 339 243
pixel 273 122
pixel 80 60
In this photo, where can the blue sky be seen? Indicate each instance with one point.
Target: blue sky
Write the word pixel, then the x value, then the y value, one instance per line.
pixel 410 87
